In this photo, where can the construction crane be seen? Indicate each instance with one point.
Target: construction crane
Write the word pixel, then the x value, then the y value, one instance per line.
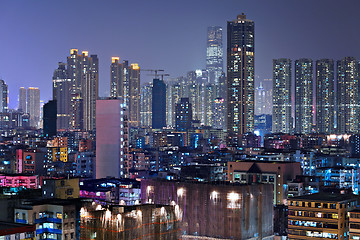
pixel 153 70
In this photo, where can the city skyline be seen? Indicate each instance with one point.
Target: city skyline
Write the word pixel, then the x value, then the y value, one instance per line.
pixel 156 47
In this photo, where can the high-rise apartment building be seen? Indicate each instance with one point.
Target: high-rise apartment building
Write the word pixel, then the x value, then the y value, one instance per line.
pixel 348 108
pixel 282 121
pixel 134 95
pixel 146 105
pixel 112 138
pixel 125 83
pixel 83 71
pixel 183 111
pixel 62 95
pixel 303 96
pixel 214 53
pixel 325 96
pixel 33 106
pixel 4 98
pixel 219 113
pixel 158 104
pixel 22 100
pixel 208 111
pixel 240 77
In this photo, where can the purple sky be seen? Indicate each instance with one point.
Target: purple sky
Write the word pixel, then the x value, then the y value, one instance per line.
pixel 170 35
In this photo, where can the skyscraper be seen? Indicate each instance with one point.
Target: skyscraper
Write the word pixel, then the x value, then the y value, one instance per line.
pixel 348 95
pixel 134 95
pixel 61 93
pixel 33 106
pixel 115 77
pixel 125 83
pixel 219 113
pixel 49 118
pixel 22 100
pixel 158 104
pixel 83 72
pixel 146 105
pixel 183 112
pixel 240 77
pixel 209 104
pixel 214 53
pixel 4 98
pixel 281 96
pixel 303 96
pixel 325 96
pixel 89 89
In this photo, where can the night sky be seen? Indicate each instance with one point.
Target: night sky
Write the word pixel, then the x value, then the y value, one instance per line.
pixel 164 34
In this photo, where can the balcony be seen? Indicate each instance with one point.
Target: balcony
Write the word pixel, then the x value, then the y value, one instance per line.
pixel 48 230
pixel 47 219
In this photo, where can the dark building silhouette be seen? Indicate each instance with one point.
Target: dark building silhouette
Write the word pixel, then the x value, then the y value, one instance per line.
pixel 158 104
pixel 183 111
pixel 49 118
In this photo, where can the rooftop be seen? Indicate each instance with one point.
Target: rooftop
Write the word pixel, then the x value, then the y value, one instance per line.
pixel 326 196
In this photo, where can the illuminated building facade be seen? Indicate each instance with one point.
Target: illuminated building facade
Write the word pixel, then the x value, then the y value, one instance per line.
pixel 219 113
pixel 240 77
pixel 320 216
pixel 325 96
pixel 146 105
pixel 83 72
pixel 354 224
pixel 208 103
pixel 282 121
pixel 61 93
pixel 183 111
pixel 348 96
pixel 221 211
pixel 125 83
pixel 4 98
pixel 22 100
pixel 303 96
pixel 151 222
pixel 112 138
pixel 33 106
pixel 214 54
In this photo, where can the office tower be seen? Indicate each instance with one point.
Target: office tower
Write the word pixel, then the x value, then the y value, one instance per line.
pixel 260 98
pixel 62 96
pixel 89 89
pixel 33 106
pixel 240 77
pixel 219 113
pixel 146 105
pixel 4 98
pixel 169 105
pixel 325 96
pixel 348 96
pixel 83 72
pixel 50 115
pixel 134 95
pixel 209 104
pixel 303 96
pixel 176 95
pixel 115 77
pixel 282 121
pixel 183 112
pixel 158 104
pixel 22 100
pixel 112 134
pixel 214 53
